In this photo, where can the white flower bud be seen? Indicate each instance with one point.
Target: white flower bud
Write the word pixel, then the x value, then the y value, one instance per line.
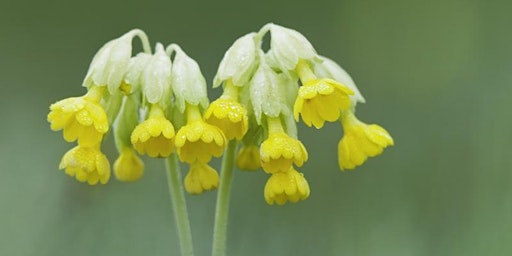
pixel 238 63
pixel 156 78
pixel 135 70
pixel 288 46
pixel 327 68
pixel 110 64
pixel 266 94
pixel 189 85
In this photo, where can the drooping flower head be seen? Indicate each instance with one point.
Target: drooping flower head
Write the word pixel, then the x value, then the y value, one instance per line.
pixel 360 141
pixel 289 186
pixel 86 164
pixel 201 177
pixel 80 118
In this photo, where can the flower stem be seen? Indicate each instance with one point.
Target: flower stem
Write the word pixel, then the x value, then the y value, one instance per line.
pixel 179 205
pixel 222 207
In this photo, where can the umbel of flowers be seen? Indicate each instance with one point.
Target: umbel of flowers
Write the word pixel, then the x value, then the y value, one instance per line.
pixel 156 104
pixel 279 87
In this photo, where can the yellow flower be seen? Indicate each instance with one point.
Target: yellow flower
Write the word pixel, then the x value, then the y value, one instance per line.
pixel 279 151
pixel 81 118
pixel 128 166
pixel 198 141
pixel 321 100
pixel 86 164
pixel 230 116
pixel 248 158
pixel 201 177
pixel 155 135
pixel 360 141
pixel 287 186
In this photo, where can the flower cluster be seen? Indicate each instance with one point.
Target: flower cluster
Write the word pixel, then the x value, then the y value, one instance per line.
pixel 278 87
pixel 157 104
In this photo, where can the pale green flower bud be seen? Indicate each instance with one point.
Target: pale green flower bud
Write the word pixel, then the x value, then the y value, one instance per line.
pixel 239 62
pixel 327 68
pixel 110 64
pixel 135 70
pixel 156 78
pixel 289 46
pixel 188 84
pixel 266 92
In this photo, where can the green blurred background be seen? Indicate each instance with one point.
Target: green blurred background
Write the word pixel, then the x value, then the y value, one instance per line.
pixel 436 74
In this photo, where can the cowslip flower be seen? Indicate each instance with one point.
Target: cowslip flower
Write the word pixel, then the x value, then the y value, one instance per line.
pixel 128 166
pixel 155 135
pixel 319 100
pixel 286 186
pixel 360 141
pixel 248 158
pixel 279 151
pixel 201 177
pixel 198 141
pixel 86 164
pixel 228 114
pixel 80 118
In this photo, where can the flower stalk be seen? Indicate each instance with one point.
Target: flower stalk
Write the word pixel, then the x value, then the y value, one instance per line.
pixel 179 205
pixel 222 206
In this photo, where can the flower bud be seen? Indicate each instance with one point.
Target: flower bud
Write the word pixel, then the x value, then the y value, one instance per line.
pixel 288 46
pixel 265 95
pixel 188 84
pixel 110 64
pixel 156 78
pixel 239 62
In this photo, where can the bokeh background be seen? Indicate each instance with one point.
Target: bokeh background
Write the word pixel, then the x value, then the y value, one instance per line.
pixel 436 74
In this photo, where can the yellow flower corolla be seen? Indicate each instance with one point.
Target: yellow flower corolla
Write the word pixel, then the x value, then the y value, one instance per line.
pixel 230 116
pixel 155 135
pixel 86 164
pixel 248 158
pixel 287 186
pixel 201 177
pixel 360 141
pixel 279 151
pixel 128 166
pixel 321 100
pixel 81 118
pixel 198 141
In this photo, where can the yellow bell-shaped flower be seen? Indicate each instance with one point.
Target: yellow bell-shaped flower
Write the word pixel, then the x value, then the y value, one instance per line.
pixel 360 141
pixel 154 136
pixel 86 164
pixel 279 151
pixel 128 166
pixel 80 118
pixel 286 186
pixel 201 177
pixel 198 141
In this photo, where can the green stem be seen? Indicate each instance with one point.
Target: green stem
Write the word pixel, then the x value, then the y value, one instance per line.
pixel 222 207
pixel 179 205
